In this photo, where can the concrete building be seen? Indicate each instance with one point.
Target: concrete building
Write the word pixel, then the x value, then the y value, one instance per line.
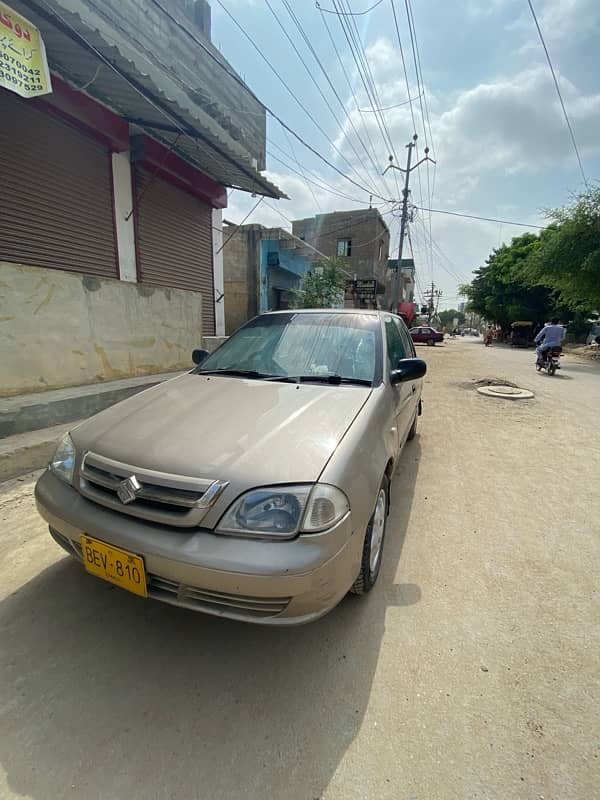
pixel 261 267
pixel 361 238
pixel 113 187
pixel 406 278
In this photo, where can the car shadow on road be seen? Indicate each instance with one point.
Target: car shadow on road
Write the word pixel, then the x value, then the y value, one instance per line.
pixel 104 695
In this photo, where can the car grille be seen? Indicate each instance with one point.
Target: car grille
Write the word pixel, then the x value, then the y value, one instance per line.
pixel 213 602
pixel 163 498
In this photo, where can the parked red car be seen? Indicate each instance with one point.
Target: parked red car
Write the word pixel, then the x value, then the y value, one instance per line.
pixel 426 335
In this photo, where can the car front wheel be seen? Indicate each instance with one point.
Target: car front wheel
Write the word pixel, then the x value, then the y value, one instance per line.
pixel 373 544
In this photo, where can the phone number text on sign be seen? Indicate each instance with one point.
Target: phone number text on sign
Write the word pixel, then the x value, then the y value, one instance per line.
pixel 23 65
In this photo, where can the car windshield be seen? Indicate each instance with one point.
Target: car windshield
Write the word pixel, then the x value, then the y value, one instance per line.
pixel 295 345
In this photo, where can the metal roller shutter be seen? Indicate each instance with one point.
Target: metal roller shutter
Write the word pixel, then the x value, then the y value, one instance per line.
pixel 55 193
pixel 174 241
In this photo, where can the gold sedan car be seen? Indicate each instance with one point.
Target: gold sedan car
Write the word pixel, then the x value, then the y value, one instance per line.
pixel 255 487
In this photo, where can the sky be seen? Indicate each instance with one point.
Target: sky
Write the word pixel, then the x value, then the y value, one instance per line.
pixel 495 126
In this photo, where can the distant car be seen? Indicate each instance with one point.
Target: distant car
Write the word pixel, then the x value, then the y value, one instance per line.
pixel 426 335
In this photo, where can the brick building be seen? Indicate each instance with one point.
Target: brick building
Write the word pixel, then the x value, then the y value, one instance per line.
pixel 360 237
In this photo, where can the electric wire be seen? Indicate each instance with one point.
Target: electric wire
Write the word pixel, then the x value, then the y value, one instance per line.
pixel 348 13
pixel 350 87
pixel 483 219
pixel 558 92
pixel 321 66
pixel 275 72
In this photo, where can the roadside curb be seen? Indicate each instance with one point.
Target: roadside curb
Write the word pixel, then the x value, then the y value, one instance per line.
pixel 26 452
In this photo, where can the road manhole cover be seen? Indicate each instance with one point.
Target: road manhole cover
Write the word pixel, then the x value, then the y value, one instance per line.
pixel 510 392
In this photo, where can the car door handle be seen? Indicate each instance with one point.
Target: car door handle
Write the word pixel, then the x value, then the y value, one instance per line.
pixel 414 389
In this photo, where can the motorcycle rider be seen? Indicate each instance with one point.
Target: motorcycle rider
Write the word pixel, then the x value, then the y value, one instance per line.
pixel 549 337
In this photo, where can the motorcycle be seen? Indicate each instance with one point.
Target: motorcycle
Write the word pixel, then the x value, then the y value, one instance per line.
pixel 550 360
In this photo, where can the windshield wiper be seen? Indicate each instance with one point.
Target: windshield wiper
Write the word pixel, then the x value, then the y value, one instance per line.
pixel 334 380
pixel 238 373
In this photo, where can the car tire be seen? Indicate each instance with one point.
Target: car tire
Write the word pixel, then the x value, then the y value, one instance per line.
pixel 431 342
pixel 374 536
pixel 413 429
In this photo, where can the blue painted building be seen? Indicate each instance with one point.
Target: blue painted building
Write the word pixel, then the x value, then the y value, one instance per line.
pixel 260 268
pixel 282 265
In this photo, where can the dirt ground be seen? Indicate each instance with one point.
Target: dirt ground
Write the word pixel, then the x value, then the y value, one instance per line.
pixel 470 672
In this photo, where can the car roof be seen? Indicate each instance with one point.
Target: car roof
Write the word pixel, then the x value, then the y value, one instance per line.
pixel 371 312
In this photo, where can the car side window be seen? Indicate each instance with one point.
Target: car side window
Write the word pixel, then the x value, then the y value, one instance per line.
pixel 406 340
pixel 395 346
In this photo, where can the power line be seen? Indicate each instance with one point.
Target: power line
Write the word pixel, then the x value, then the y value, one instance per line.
pixel 421 89
pixel 344 227
pixel 308 183
pixel 173 119
pixel 370 82
pixel 316 179
pixel 348 13
pixel 388 108
pixel 320 183
pixel 321 66
pixel 405 71
pixel 288 89
pixel 348 81
pixel 254 207
pixel 484 219
pixel 238 80
pixel 364 71
pixel 558 92
pixel 312 77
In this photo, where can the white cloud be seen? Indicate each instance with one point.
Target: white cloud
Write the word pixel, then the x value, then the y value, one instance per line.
pixel 563 23
pixel 516 125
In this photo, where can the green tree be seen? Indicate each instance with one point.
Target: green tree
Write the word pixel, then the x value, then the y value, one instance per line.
pixel 502 292
pixel 568 258
pixel 447 317
pixel 321 287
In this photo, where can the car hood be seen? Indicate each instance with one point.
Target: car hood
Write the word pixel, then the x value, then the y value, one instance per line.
pixel 249 432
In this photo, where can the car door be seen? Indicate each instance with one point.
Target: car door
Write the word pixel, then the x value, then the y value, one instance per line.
pixel 402 393
pixel 415 386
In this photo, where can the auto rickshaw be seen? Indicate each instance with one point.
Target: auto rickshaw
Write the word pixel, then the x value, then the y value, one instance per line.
pixel 522 334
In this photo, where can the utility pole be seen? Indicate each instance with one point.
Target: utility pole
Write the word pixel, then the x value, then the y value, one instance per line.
pixel 404 217
pixel 432 296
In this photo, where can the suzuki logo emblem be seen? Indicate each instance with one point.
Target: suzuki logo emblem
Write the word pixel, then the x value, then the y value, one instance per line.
pixel 128 489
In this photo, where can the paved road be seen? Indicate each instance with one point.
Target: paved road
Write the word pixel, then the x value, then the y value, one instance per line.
pixel 470 672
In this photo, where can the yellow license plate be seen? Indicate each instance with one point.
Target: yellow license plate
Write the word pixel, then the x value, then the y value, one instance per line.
pixel 115 565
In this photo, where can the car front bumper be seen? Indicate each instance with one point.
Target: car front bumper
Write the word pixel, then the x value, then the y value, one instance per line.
pixel 268 582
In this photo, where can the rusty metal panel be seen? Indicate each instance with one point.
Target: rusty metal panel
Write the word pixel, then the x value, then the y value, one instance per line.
pixel 55 193
pixel 174 241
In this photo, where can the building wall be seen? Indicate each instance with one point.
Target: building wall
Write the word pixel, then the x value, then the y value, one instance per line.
pixel 62 329
pixel 365 228
pixel 241 275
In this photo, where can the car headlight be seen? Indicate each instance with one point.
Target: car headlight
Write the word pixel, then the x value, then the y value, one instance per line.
pixel 283 511
pixel 63 461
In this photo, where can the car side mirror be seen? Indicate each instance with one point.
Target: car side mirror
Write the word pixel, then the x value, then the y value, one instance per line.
pixel 408 369
pixel 198 356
